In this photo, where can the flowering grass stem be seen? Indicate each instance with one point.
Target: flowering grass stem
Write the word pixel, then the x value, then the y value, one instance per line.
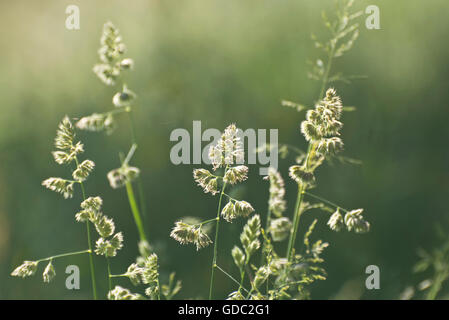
pixel 135 210
pixel 311 148
pixel 291 242
pixel 214 260
pixel 109 274
pixel 129 189
pixel 89 241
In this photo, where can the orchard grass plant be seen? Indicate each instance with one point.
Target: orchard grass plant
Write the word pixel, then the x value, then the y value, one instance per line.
pixel 145 270
pixel 277 275
pixel 268 263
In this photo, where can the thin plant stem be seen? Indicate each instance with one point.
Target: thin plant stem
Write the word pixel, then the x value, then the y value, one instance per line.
pixel 139 182
pixel 207 221
pixel 231 277
pixel 242 278
pixel 328 69
pixel 324 200
pixel 292 239
pixel 89 241
pixel 158 291
pixel 135 210
pixel 91 261
pixel 214 259
pixel 64 255
pixel 117 275
pixel 109 274
pixel 267 226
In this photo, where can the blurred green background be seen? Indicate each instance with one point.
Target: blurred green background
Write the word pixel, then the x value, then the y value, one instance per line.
pixel 222 62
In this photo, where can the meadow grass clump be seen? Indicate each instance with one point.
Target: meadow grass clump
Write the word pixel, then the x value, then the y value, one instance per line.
pixel 68 151
pixel 278 276
pixel 145 270
pixel 263 272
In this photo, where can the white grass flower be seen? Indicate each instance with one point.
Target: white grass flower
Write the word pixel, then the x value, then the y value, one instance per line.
pixel 117 241
pixel 83 170
pixel 62 186
pixel 280 228
pixel 276 202
pixel 120 176
pixel 260 277
pixel 102 247
pixel 110 247
pixel 134 273
pixel 150 272
pixel 323 122
pixel 330 146
pixel 105 226
pixel 49 273
pixel 127 63
pixel 119 293
pixel 83 215
pixel 236 174
pixel 355 221
pixel 229 150
pixel 206 180
pixel 309 131
pixel 228 212
pixel 243 208
pixel 336 222
pixel 277 265
pixel 26 269
pixel 92 203
pixel 97 122
pixel 123 98
pixel 236 295
pixel 62 157
pixel 106 73
pixel 111 42
pixel 249 236
pixel 239 257
pixel 234 209
pixel 186 233
pixel 65 135
pixel 318 248
pixel 110 53
pixel 64 142
pixel 300 175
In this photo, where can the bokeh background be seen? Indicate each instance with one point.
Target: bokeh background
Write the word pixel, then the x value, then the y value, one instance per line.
pixel 222 62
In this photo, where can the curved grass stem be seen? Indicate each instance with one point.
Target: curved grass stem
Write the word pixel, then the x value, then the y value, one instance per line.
pixel 325 201
pixel 64 255
pixel 231 277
